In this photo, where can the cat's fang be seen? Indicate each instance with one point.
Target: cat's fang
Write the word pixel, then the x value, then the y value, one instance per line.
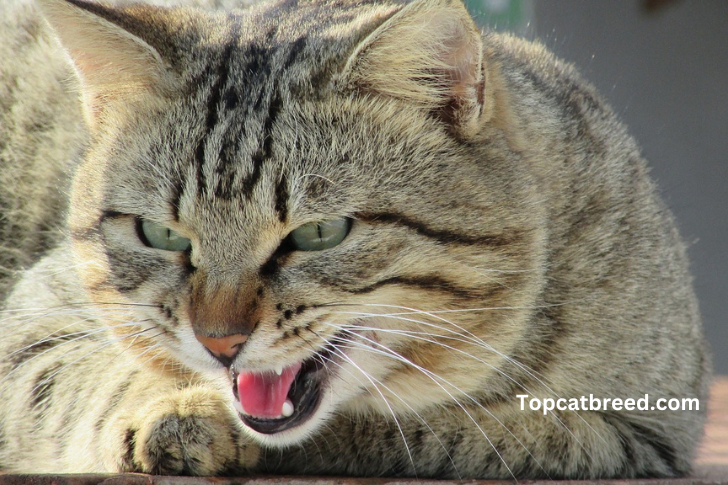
pixel 287 410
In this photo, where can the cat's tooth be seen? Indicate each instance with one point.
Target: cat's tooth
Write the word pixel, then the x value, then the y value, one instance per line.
pixel 279 370
pixel 287 410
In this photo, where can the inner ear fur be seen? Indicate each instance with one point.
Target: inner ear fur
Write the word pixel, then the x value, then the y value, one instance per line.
pixel 430 54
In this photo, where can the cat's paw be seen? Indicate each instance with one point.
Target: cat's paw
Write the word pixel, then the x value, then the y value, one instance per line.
pixel 189 432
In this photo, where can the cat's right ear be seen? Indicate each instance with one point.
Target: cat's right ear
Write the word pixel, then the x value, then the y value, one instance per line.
pixel 114 65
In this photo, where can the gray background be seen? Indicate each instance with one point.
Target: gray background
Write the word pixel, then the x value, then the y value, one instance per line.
pixel 665 73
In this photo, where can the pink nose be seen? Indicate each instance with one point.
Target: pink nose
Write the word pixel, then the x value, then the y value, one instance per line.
pixel 225 346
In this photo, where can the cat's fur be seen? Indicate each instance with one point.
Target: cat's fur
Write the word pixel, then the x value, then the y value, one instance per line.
pixel 506 240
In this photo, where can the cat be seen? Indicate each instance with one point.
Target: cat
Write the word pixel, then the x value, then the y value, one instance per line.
pixel 328 237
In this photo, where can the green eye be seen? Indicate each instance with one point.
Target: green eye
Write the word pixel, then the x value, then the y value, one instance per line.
pixel 160 237
pixel 316 236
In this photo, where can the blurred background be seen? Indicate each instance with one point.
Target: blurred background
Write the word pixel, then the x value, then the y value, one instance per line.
pixel 663 67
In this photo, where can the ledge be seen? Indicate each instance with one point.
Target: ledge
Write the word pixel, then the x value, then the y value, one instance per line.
pixel 713 475
pixel 711 466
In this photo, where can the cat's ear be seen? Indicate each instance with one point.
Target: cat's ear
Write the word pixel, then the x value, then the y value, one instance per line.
pixel 113 64
pixel 430 53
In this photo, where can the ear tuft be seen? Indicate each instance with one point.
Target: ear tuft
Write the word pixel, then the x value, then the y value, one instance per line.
pixel 113 64
pixel 429 54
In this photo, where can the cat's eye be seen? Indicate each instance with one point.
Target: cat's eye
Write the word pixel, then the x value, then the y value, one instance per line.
pixel 317 236
pixel 160 237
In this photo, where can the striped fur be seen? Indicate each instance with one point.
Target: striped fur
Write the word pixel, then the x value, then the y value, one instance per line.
pixel 506 239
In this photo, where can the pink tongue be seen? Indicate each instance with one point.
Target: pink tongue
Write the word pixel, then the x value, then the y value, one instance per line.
pixel 263 394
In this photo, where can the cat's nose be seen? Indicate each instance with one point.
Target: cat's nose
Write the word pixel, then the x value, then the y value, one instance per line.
pixel 223 349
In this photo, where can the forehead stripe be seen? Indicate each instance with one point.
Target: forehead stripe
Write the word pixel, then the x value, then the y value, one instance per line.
pixel 214 105
pixel 262 98
pixel 264 150
pixel 281 198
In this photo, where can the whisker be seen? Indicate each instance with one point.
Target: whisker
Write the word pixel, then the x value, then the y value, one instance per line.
pixel 102 343
pixel 386 402
pixel 500 371
pixel 325 361
pixel 98 349
pixel 530 372
pixel 434 377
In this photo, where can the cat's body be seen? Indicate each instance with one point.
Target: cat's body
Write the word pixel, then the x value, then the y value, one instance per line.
pixel 504 239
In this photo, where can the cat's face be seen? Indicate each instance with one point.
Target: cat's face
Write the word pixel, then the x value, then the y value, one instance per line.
pixel 357 251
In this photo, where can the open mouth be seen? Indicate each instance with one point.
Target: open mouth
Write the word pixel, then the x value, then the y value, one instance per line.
pixel 274 401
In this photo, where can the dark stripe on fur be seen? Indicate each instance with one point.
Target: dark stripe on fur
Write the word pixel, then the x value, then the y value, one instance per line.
pixel 213 106
pixel 452 444
pixel 177 190
pixel 129 444
pixel 637 443
pixel 575 101
pixel 296 49
pixel 281 203
pixel 226 170
pixel 543 350
pixel 650 438
pixel 252 180
pixel 423 282
pixel 261 60
pixel 630 456
pixel 264 152
pixel 35 348
pixel 42 390
pixel 131 269
pixel 114 401
pixel 441 235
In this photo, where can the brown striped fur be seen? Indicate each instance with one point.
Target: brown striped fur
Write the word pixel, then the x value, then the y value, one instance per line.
pixel 506 239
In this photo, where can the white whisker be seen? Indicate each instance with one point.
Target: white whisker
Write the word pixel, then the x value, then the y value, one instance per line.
pixel 434 377
pixel 386 403
pixel 99 348
pixel 403 401
pixel 481 343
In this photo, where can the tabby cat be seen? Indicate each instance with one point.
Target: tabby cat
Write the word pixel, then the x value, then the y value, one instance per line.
pixel 327 237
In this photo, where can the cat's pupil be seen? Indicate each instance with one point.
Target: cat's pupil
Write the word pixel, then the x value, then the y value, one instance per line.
pixel 317 236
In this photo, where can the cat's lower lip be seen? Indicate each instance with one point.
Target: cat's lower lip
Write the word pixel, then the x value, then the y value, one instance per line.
pixel 305 395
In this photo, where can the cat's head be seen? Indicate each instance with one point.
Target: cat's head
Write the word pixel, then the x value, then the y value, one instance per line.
pixel 316 200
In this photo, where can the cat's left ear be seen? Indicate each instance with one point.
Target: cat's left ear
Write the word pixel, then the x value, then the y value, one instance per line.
pixel 115 65
pixel 430 54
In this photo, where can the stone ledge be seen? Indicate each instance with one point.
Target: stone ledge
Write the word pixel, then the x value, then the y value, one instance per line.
pixel 712 475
